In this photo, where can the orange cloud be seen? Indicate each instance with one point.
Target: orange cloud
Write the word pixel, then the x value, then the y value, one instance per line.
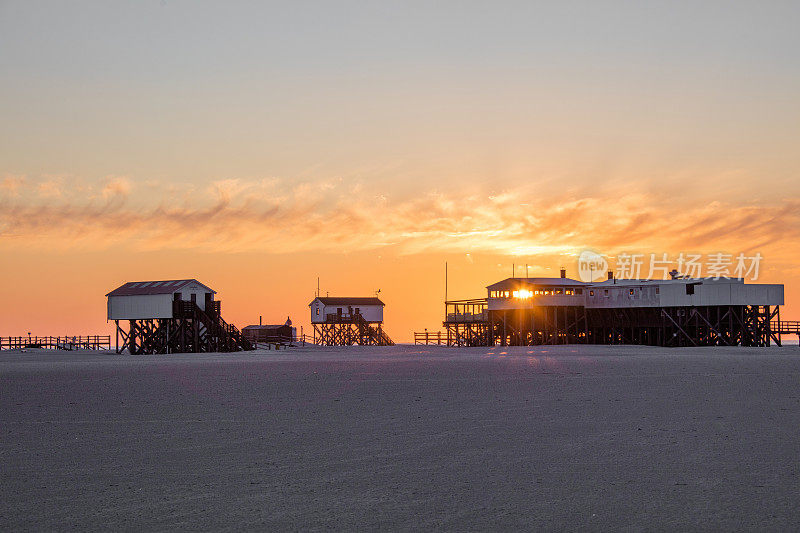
pixel 116 187
pixel 10 185
pixel 271 215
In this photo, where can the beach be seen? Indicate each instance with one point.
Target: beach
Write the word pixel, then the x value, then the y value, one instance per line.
pixel 403 437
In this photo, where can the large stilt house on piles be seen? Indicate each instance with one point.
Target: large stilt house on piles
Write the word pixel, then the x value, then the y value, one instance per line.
pixel 681 311
pixel 344 321
pixel 171 316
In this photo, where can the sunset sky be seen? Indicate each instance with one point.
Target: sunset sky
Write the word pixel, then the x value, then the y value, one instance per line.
pixel 256 146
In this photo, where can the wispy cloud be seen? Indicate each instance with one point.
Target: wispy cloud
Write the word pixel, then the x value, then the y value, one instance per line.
pixel 50 189
pixel 116 187
pixel 10 185
pixel 277 216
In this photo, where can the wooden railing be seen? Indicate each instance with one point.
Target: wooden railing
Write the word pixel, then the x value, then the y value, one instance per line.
pixel 430 337
pixel 67 342
pixel 467 311
pixel 785 327
pixel 275 342
pixel 226 337
pixel 345 318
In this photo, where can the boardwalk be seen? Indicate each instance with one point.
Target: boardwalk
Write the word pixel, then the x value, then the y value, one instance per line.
pixel 67 342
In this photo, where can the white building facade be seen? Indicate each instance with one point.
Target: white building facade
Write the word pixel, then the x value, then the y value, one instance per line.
pixel 521 293
pixel 338 309
pixel 140 300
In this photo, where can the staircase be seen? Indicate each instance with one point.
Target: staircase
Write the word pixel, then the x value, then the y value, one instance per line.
pixel 371 335
pixel 213 333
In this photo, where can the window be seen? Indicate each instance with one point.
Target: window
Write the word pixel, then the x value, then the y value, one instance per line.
pixel 317 311
pixel 656 290
pixel 690 289
pixel 559 291
pixel 358 310
pixel 630 291
pixel 591 293
pixel 605 292
pixel 339 311
pixel 507 294
pixel 579 291
pixel 569 292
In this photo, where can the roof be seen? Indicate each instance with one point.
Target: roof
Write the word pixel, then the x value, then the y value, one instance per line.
pixel 137 288
pixel 344 300
pixel 536 281
pixel 266 326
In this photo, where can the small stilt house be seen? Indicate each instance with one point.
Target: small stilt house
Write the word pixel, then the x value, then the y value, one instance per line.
pixel 348 320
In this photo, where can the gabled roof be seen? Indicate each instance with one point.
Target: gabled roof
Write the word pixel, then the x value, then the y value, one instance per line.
pixel 342 300
pixel 137 288
pixel 535 281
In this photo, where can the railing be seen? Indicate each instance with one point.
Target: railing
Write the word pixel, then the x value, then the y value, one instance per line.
pixel 344 318
pixel 184 308
pixel 223 336
pixel 285 342
pixel 467 311
pixel 430 337
pixel 468 317
pixel 67 342
pixel 785 327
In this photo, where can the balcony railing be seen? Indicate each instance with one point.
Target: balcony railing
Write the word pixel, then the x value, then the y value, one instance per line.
pixel 467 311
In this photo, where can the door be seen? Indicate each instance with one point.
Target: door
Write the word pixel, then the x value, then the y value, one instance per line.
pixel 207 302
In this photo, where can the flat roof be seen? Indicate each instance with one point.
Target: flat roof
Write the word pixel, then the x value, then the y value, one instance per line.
pixel 537 281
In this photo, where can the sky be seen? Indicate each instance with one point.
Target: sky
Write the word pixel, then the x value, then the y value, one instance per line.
pixel 257 146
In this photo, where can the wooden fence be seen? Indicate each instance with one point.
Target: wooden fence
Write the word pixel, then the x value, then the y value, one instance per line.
pixel 430 337
pixel 278 341
pixel 67 342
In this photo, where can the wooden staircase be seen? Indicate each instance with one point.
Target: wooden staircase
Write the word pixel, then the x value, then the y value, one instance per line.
pixel 213 333
pixel 349 330
pixel 372 335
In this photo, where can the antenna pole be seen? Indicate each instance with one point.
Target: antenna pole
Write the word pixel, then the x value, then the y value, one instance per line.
pixel 445 281
pixel 317 286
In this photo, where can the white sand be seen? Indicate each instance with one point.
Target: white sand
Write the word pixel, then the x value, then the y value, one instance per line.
pixel 404 437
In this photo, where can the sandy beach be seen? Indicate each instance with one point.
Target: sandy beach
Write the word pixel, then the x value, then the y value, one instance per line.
pixel 405 437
